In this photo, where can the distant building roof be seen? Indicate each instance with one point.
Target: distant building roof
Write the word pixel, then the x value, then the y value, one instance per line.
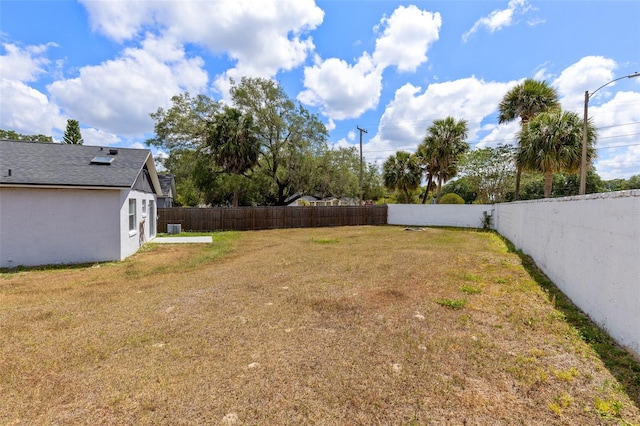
pixel 167 183
pixel 53 164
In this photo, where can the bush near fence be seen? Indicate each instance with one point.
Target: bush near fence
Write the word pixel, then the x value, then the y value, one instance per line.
pixel 255 218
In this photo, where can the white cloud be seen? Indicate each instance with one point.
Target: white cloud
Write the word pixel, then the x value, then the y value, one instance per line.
pixel 24 64
pixel 500 18
pixel 343 91
pixel 118 95
pixel 618 123
pixel 340 90
pixel 137 145
pixel 97 137
pixel 406 118
pixel 120 20
pixel 588 73
pixel 499 134
pixel 344 143
pixel 26 110
pixel 262 38
pixel 407 35
pixel 620 163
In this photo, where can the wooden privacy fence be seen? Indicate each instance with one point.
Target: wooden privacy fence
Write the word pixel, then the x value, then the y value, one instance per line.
pixel 254 218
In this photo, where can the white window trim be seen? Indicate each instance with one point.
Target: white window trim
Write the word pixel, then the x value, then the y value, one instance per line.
pixel 133 231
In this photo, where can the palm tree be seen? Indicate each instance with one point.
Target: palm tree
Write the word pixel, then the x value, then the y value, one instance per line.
pixel 429 168
pixel 402 172
pixel 233 143
pixel 524 101
pixel 442 147
pixel 552 142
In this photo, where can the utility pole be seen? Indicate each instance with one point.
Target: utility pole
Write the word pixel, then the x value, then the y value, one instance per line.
pixel 361 130
pixel 583 162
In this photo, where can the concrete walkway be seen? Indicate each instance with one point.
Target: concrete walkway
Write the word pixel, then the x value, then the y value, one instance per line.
pixel 179 240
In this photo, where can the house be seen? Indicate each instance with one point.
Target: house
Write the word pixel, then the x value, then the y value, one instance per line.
pixel 168 186
pixel 305 200
pixel 309 200
pixel 63 204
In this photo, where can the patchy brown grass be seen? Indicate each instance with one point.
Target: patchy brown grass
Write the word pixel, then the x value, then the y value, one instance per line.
pixel 334 326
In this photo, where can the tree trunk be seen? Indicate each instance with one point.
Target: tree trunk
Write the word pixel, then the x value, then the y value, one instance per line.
pixel 426 191
pixel 516 196
pixel 406 196
pixel 439 189
pixel 235 198
pixel 548 183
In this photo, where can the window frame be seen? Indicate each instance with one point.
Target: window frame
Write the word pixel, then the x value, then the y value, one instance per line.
pixel 152 219
pixel 133 216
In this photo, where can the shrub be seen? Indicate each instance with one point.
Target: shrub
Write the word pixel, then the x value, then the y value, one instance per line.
pixel 451 198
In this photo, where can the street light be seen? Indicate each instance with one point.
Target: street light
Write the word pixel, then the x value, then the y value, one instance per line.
pixel 583 164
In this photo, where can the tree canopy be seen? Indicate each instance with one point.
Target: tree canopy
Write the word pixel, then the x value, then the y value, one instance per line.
pixel 15 136
pixel 490 172
pixel 72 134
pixel 402 173
pixel 524 101
pixel 442 147
pixel 262 148
pixel 552 142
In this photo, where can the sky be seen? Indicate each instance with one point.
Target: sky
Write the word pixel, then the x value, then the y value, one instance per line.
pixel 388 67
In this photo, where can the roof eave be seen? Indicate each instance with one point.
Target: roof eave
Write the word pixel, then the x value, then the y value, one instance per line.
pixel 58 186
pixel 153 173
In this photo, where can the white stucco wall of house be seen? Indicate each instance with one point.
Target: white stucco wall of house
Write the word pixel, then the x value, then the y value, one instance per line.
pixel 58 226
pixel 589 246
pixel 457 215
pixel 131 239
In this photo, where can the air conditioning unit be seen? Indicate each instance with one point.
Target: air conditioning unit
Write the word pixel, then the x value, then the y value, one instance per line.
pixel 174 228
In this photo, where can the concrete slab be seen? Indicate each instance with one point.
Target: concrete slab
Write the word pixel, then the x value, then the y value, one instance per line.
pixel 182 240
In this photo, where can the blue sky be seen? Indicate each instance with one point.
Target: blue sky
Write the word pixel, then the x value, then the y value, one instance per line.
pixel 390 67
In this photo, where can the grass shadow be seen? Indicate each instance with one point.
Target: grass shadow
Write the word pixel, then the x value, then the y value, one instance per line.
pixel 619 362
pixel 52 267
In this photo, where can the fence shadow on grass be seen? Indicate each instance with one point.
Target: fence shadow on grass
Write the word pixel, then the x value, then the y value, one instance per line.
pixel 619 362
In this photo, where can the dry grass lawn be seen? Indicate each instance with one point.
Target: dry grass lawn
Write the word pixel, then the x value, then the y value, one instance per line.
pixel 332 326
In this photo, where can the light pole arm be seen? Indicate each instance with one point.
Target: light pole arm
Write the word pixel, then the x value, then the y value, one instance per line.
pixel 635 74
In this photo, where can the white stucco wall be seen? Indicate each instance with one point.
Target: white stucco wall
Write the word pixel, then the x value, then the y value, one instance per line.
pixel 57 226
pixel 131 241
pixel 458 215
pixel 589 247
pixel 40 226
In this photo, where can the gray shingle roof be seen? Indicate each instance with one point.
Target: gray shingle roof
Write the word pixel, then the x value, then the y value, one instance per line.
pixel 165 183
pixel 37 163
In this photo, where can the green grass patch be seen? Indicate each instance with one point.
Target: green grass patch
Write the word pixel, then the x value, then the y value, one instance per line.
pixel 452 303
pixel 324 240
pixel 470 289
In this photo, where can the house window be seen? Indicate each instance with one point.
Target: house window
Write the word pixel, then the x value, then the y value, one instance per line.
pixel 144 208
pixel 152 218
pixel 132 216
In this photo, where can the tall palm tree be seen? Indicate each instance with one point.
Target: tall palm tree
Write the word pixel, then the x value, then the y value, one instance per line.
pixel 442 147
pixel 552 142
pixel 524 101
pixel 401 172
pixel 233 143
pixel 429 169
